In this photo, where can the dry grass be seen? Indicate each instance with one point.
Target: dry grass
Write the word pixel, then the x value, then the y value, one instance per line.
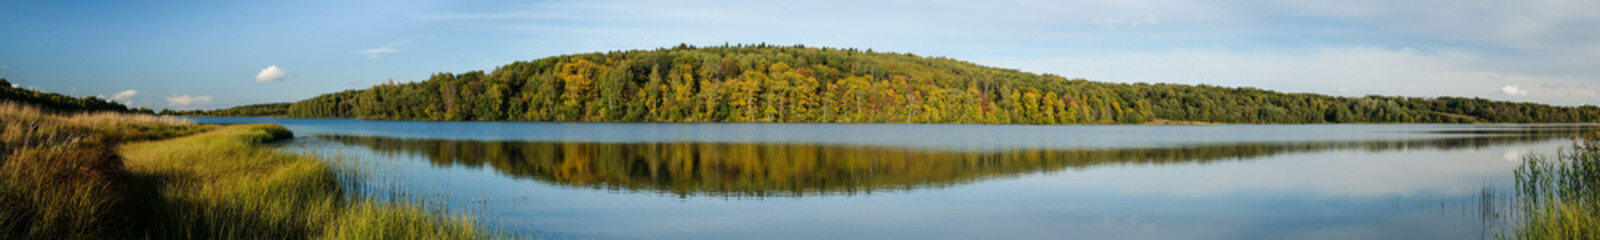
pixel 60 176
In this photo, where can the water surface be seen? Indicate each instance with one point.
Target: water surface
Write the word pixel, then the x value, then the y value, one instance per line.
pixel 808 181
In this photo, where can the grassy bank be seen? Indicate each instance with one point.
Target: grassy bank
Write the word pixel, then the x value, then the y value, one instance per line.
pixel 60 175
pixel 1559 198
pixel 120 176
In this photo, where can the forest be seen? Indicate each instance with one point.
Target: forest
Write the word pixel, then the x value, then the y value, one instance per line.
pixel 764 83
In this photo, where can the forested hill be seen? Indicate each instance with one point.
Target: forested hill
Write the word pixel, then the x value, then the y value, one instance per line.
pixel 60 103
pixel 799 84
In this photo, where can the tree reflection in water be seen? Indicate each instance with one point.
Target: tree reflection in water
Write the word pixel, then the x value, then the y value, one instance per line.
pixel 794 170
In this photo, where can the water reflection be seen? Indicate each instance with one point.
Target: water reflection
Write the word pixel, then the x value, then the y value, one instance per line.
pixel 793 170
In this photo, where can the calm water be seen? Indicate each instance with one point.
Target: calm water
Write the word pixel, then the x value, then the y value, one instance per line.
pixel 828 181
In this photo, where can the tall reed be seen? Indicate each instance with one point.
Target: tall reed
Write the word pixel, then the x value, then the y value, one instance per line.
pixel 1559 198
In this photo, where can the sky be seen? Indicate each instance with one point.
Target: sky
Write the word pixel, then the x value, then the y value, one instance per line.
pixel 216 54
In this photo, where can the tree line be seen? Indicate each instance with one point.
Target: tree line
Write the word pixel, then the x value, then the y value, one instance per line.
pixel 762 83
pixel 253 110
pixel 56 102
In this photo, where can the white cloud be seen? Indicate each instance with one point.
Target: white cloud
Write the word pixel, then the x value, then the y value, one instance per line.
pixel 183 101
pixel 5 66
pixel 124 95
pixel 1512 90
pixel 271 74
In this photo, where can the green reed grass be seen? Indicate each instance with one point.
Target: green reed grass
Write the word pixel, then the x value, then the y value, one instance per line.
pixel 1559 198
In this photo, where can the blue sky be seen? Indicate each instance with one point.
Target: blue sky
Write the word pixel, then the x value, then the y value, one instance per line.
pixel 213 54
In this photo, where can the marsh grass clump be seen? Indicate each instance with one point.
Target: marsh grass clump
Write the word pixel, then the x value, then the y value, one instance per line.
pixel 1559 198
pixel 374 219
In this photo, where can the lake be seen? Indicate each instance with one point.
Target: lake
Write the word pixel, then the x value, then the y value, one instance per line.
pixel 875 181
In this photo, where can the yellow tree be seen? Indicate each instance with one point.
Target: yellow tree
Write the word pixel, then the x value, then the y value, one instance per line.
pixel 854 91
pixel 578 76
pixel 797 90
pixel 976 101
pixel 742 99
pixel 682 91
pixel 1051 106
pixel 1012 107
pixel 933 110
pixel 774 99
pixel 651 94
pixel 710 99
pixel 1030 106
pixel 889 103
pixel 804 95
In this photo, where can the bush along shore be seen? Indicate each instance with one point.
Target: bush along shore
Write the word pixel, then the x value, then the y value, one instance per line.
pixel 137 176
pixel 1559 198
